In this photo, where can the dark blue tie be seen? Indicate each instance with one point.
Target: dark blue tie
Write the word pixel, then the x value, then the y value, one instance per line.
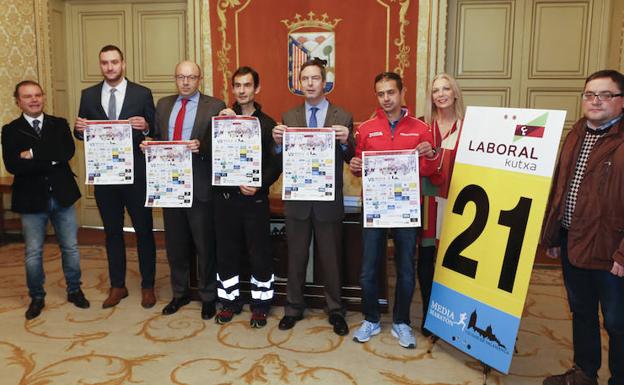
pixel 313 122
pixel 37 127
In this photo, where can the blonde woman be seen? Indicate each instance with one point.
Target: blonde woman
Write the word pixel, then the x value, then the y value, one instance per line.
pixel 444 112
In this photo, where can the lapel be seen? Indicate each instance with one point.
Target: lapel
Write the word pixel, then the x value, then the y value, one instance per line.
pixel 300 116
pixel 200 117
pixel 129 96
pixel 27 129
pixel 98 100
pixel 168 104
pixel 330 118
pixel 602 151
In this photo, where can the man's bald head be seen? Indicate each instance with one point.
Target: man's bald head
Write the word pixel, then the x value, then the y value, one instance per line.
pixel 188 77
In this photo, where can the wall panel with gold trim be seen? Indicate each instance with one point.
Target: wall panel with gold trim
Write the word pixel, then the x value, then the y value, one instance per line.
pixel 370 36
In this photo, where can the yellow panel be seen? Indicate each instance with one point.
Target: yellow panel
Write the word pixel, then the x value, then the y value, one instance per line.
pixel 559 41
pixel 485 35
pixel 504 190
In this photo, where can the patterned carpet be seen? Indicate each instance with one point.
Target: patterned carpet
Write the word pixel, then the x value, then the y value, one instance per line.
pixel 131 345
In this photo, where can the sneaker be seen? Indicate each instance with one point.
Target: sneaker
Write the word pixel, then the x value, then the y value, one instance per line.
pixel 258 319
pixel 366 331
pixel 225 315
pixel 405 335
pixel 574 376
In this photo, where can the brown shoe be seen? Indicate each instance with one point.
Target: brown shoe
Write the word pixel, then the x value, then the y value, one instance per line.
pixel 574 376
pixel 115 295
pixel 148 298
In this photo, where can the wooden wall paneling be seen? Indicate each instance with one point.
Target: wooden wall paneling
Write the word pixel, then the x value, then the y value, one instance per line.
pixel 160 32
pixel 484 35
pixel 560 39
pixel 490 97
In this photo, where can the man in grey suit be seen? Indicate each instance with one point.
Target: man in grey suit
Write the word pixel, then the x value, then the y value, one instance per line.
pixel 324 218
pixel 189 232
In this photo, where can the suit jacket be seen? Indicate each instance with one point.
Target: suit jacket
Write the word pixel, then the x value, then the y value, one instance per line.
pixel 137 102
pixel 207 107
pixel 39 178
pixel 323 210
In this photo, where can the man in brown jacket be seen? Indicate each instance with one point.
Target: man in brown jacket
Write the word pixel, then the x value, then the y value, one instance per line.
pixel 585 227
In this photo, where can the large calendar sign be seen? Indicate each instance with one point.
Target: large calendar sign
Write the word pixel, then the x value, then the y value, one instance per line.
pixel 492 223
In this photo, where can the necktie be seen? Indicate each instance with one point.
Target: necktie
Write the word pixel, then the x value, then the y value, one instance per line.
pixel 179 122
pixel 37 127
pixel 313 122
pixel 112 105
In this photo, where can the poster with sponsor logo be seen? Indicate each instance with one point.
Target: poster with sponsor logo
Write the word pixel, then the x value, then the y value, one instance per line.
pixel 236 151
pixel 391 188
pixel 309 164
pixel 169 174
pixel 108 152
pixel 496 204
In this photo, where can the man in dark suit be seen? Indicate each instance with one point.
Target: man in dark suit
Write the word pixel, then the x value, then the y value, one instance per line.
pixel 112 99
pixel 36 148
pixel 322 217
pixel 189 232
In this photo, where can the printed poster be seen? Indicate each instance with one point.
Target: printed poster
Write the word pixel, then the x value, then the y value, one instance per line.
pixel 108 152
pixel 309 164
pixel 391 188
pixel 169 174
pixel 236 151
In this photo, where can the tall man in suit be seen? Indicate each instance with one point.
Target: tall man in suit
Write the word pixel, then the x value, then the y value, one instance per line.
pixel 112 99
pixel 189 232
pixel 36 148
pixel 323 218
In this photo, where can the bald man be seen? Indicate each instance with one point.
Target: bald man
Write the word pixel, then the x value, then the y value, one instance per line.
pixel 189 232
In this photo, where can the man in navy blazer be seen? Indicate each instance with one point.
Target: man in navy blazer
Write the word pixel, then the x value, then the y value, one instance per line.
pixel 135 103
pixel 36 148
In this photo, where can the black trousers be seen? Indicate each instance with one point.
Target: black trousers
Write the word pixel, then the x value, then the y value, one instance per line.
pixel 111 201
pixel 243 233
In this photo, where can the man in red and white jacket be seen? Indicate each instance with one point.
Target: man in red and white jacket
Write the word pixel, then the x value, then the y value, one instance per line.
pixel 391 129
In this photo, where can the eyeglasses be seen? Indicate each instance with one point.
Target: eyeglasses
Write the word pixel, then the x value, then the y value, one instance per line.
pixel 186 77
pixel 602 96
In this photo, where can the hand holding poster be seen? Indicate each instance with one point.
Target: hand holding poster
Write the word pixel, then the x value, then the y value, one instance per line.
pixel 108 152
pixel 309 164
pixel 496 204
pixel 169 174
pixel 236 151
pixel 391 188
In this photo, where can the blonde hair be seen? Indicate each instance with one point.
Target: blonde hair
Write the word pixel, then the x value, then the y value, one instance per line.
pixel 431 111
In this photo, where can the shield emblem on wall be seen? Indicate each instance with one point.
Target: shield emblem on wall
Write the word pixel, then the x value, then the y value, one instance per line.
pixel 304 46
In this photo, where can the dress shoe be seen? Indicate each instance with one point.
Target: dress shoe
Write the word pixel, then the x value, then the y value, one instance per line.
pixel 208 310
pixel 340 325
pixel 34 309
pixel 78 299
pixel 115 295
pixel 148 298
pixel 175 305
pixel 288 322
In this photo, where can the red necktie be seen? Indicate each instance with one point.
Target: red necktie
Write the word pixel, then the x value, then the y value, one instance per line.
pixel 177 130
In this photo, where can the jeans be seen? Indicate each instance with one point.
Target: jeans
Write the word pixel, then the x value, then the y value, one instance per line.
pixel 34 231
pixel 374 251
pixel 586 289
